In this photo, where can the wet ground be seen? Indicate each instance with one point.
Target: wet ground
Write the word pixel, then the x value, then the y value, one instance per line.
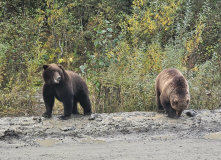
pixel 128 135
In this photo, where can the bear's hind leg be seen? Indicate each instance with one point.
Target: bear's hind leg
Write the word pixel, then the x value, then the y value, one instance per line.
pixel 75 108
pixel 86 104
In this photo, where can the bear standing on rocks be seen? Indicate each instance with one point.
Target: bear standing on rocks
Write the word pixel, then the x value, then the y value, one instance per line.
pixel 67 87
pixel 172 92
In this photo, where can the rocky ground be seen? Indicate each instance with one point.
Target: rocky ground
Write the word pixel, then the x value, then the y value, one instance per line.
pixel 129 135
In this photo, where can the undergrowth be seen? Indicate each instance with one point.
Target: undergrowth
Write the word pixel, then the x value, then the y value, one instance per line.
pixel 118 48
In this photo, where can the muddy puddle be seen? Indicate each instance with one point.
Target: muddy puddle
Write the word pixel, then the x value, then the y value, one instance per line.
pixel 216 135
pixel 47 142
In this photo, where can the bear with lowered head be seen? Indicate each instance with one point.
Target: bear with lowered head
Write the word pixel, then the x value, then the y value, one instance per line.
pixel 66 86
pixel 172 92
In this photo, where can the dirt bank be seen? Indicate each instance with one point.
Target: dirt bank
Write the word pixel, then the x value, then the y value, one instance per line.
pixel 130 135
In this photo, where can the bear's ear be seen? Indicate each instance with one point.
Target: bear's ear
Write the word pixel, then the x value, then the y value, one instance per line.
pixel 188 101
pixel 60 66
pixel 45 66
pixel 175 101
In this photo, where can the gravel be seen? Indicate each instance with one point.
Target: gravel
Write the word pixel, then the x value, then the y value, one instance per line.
pixel 126 135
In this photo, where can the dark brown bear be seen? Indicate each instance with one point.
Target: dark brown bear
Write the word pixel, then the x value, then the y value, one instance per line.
pixel 67 87
pixel 172 92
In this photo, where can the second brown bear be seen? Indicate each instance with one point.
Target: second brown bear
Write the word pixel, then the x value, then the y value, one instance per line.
pixel 172 92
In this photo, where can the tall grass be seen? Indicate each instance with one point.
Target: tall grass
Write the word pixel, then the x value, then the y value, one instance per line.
pixel 205 85
pixel 122 90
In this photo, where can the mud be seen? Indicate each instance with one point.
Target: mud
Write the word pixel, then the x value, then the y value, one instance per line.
pixel 128 135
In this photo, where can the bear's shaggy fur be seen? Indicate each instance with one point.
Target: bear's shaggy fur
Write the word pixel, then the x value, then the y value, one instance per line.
pixel 172 92
pixel 67 87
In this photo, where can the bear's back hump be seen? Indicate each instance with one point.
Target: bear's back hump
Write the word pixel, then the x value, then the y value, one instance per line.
pixel 77 82
pixel 166 78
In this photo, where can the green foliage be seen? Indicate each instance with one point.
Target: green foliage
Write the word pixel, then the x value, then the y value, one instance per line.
pixel 205 86
pixel 119 47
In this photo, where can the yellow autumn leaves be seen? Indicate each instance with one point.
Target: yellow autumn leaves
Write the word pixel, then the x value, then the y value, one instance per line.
pixel 151 18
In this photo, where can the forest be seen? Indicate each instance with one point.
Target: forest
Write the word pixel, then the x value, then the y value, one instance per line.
pixel 117 46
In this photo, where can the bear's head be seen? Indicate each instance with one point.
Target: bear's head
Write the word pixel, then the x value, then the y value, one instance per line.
pixel 53 74
pixel 179 98
pixel 180 103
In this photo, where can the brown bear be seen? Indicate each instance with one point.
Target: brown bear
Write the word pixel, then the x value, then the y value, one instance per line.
pixel 172 92
pixel 66 86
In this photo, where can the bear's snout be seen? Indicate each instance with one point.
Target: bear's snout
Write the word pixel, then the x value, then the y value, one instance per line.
pixel 57 79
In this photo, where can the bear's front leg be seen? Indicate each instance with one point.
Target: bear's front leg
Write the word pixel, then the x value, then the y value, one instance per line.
pixel 172 113
pixel 169 110
pixel 48 100
pixel 160 108
pixel 68 106
pixel 64 117
pixel 48 106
